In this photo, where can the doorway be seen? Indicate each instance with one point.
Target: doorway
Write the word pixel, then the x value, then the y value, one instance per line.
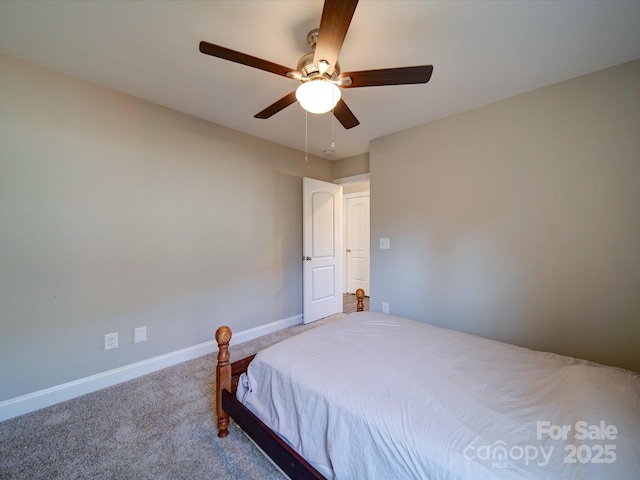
pixel 356 241
pixel 328 226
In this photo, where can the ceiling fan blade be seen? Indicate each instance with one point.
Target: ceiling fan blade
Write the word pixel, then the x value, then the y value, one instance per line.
pixel 336 17
pixel 388 76
pixel 281 104
pixel 345 116
pixel 243 59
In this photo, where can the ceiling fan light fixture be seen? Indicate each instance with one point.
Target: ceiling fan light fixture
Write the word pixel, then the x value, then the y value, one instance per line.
pixel 318 96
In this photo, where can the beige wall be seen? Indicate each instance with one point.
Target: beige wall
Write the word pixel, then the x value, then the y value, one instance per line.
pixel 349 167
pixel 116 213
pixel 520 220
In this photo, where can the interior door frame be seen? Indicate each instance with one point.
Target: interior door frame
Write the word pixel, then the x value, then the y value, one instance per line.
pixel 345 181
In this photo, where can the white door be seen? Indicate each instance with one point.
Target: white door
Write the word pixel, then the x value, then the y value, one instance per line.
pixel 322 249
pixel 357 239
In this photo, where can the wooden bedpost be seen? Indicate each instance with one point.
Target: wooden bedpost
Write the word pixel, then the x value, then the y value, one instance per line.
pixel 223 378
pixel 360 297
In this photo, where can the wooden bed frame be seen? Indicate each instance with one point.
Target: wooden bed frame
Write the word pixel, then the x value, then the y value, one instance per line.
pixel 227 376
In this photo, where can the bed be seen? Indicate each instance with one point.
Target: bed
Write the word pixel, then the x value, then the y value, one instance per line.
pixel 375 396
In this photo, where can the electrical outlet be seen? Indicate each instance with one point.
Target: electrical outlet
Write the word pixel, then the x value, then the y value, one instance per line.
pixel 385 307
pixel 140 334
pixel 111 341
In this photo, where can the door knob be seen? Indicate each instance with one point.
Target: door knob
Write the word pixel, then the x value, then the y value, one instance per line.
pixel 348 250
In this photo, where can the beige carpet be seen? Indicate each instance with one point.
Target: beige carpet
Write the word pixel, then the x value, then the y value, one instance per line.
pixel 160 426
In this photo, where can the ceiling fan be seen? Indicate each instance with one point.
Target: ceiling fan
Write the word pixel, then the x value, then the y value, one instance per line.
pixel 319 70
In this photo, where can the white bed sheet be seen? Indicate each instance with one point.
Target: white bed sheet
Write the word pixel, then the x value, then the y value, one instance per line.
pixel 374 396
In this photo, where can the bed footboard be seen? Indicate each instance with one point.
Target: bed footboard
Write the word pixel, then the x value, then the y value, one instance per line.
pixel 227 376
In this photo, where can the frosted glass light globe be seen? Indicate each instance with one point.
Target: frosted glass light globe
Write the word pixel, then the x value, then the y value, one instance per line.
pixel 318 96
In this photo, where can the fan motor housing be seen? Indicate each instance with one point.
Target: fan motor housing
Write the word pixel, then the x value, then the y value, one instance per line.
pixel 306 66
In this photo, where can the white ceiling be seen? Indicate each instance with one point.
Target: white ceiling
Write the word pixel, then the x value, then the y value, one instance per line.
pixel 482 51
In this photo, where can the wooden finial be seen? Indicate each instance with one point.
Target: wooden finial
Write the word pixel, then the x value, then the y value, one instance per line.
pixel 360 297
pixel 223 337
pixel 223 378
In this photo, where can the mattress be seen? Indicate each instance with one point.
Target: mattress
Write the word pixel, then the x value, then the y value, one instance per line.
pixel 374 396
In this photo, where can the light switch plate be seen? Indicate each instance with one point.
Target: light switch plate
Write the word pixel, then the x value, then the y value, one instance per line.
pixel 385 243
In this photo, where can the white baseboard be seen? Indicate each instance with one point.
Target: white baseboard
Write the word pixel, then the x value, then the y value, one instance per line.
pixel 50 396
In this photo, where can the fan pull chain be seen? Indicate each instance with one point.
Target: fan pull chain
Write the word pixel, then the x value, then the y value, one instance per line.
pixel 306 136
pixel 333 138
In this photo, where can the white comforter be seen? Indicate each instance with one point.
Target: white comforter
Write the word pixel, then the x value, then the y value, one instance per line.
pixel 374 396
